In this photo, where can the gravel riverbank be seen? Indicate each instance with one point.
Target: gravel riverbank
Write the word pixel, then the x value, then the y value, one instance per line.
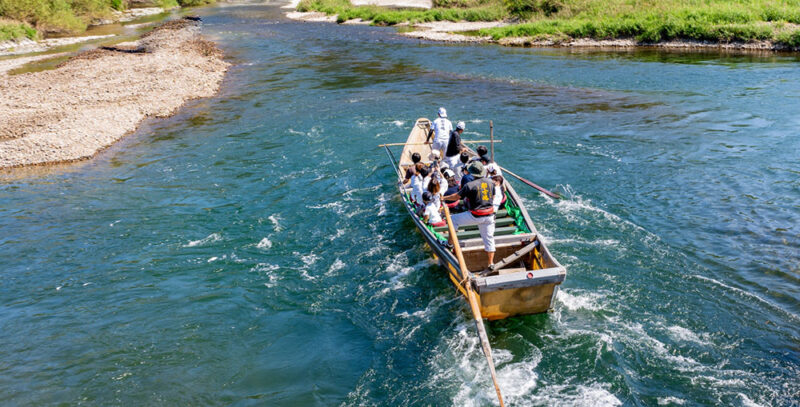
pixel 94 99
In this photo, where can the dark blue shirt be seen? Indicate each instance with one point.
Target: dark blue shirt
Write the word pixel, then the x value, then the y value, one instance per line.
pixel 466 178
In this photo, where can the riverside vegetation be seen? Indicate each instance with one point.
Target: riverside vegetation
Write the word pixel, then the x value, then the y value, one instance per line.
pixel 30 18
pixel 646 21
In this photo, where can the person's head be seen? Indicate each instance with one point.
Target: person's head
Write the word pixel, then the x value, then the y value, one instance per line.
pixel 464 158
pixel 498 179
pixel 427 197
pixel 423 171
pixel 476 169
pixel 434 186
pixel 415 158
pixel 461 126
pixel 482 150
pixel 442 112
pixel 451 178
pixel 435 155
pixel 418 167
pixel 484 160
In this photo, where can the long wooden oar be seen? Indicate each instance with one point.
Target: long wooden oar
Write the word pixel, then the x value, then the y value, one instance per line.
pixel 542 190
pixel 420 144
pixel 473 303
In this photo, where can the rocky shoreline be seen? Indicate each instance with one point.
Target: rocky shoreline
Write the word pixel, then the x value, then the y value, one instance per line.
pixel 97 97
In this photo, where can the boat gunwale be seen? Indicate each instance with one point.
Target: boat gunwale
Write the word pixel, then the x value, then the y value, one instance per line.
pixel 445 255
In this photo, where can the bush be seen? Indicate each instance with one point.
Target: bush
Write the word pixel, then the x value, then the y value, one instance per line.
pixel 15 31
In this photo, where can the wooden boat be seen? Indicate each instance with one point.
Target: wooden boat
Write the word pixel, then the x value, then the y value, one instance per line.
pixel 526 277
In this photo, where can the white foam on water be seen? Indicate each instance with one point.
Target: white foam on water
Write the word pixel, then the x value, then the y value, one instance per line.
pixel 275 222
pixel 295 132
pixel 594 395
pixel 680 333
pixel 114 222
pixel 429 310
pixel 308 259
pixel 682 363
pixel 670 401
pixel 574 300
pixel 398 123
pixel 337 207
pixel 336 266
pixel 264 244
pixel 746 402
pixel 748 294
pixel 600 242
pixel 214 237
pixel 267 269
pixel 339 233
pixel 215 258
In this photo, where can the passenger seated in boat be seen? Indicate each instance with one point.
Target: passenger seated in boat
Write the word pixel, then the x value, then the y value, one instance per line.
pixel 431 214
pixel 452 187
pixel 411 170
pixel 492 168
pixel 466 177
pixel 435 188
pixel 460 166
pixel 418 183
pixel 479 196
pixel 499 193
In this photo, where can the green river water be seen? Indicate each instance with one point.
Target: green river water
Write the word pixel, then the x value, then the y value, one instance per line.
pixel 252 250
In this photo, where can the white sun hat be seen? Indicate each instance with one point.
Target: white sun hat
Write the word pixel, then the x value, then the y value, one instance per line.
pixel 461 125
pixel 442 112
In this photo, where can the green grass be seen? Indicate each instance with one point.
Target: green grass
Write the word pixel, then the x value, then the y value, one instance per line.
pixel 386 16
pixel 71 15
pixel 648 21
pixel 15 31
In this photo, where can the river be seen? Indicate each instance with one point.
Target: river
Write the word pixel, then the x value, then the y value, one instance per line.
pixel 251 250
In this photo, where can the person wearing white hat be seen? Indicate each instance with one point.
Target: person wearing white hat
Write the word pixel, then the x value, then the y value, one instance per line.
pixel 454 146
pixel 440 129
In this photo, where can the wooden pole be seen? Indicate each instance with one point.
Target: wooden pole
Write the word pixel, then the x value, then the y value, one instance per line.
pixel 491 137
pixel 540 189
pixel 421 144
pixel 473 303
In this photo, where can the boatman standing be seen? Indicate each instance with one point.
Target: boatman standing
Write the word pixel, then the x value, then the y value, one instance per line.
pixel 454 146
pixel 479 196
pixel 440 129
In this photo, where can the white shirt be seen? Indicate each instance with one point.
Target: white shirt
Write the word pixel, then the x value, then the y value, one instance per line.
pixel 457 170
pixel 441 129
pixel 416 188
pixel 432 212
pixel 498 197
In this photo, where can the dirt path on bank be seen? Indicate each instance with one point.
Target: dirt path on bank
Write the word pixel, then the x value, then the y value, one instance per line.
pixel 99 96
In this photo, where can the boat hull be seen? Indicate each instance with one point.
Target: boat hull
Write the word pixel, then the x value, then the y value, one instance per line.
pixel 530 289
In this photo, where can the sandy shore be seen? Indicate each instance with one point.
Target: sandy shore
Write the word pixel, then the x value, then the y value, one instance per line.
pixel 95 98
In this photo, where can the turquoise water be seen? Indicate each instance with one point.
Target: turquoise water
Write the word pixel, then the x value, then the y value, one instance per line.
pixel 251 250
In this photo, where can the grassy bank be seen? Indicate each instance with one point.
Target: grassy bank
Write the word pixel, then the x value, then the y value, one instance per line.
pixel 452 11
pixel 12 30
pixel 647 21
pixel 64 15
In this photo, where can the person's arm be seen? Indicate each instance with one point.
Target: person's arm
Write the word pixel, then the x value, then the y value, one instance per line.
pixel 430 133
pixel 452 197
